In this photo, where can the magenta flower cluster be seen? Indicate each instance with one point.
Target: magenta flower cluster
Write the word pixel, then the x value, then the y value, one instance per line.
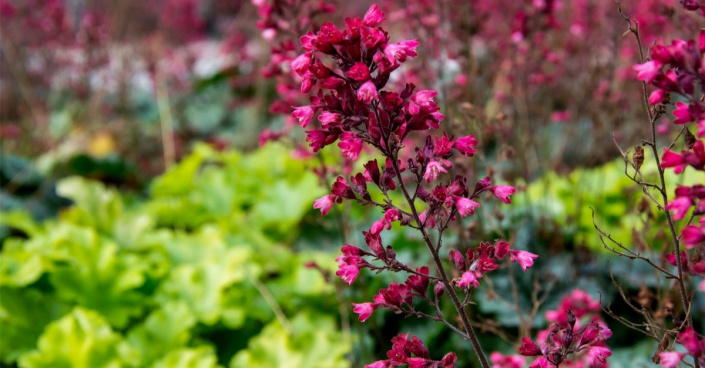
pixel 351 68
pixel 576 337
pixel 678 69
pixel 677 72
pixel 413 352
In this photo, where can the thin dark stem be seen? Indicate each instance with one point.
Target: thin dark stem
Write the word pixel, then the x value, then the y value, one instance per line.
pixel 444 276
pixel 634 29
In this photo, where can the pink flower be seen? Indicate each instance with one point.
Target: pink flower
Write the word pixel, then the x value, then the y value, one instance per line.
pixel 373 16
pixel 325 203
pixel 442 146
pixel 341 189
pixel 359 72
pixel 424 99
pixel 682 114
pixel 679 206
pixel 429 222
pixel 390 216
pixel 501 249
pixel 597 356
pixel 657 97
pixel 307 41
pixel 367 92
pixel 541 362
pixel 701 128
pixel 381 364
pixel 449 360
pixel 328 118
pixel 347 272
pixel 561 116
pixel 364 310
pixel 689 339
pixel 316 139
pixel 506 361
pixel 400 51
pixel 433 170
pixel 670 359
pixel 301 63
pixel 371 37
pixel 647 71
pixel 524 258
pixel 465 206
pixel 528 347
pixel 419 362
pixel 466 145
pixel 672 159
pixel 503 192
pixel 304 114
pixel 693 235
pixel 350 145
pixel 350 263
pixel 468 278
pixel 269 34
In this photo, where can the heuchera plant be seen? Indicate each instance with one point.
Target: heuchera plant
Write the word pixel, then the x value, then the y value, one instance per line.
pixel 676 71
pixel 350 68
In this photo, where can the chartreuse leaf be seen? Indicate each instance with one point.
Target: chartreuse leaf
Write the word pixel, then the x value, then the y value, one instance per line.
pixel 24 312
pixel 569 200
pixel 166 329
pixel 93 274
pixel 81 339
pixel 21 221
pixel 200 357
pixel 202 284
pixel 289 189
pixel 95 206
pixel 314 342
pixel 20 266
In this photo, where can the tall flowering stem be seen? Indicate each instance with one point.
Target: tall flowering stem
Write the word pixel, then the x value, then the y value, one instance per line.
pixel 674 71
pixel 350 69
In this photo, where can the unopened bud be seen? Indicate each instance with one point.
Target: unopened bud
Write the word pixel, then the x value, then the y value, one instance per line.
pixel 571 320
pixel 638 157
pixel 689 139
pixel 438 289
pixel 391 255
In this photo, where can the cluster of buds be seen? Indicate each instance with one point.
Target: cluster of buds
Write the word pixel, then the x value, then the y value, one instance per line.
pixel 413 352
pixel 575 337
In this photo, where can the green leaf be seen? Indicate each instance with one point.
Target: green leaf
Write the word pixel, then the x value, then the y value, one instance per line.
pixel 203 284
pixel 95 205
pixel 23 315
pixel 201 357
pixel 165 329
pixel 93 274
pixel 20 266
pixel 314 343
pixel 81 339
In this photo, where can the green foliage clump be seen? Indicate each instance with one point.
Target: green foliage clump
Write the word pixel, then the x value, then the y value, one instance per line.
pixel 197 275
pixel 569 201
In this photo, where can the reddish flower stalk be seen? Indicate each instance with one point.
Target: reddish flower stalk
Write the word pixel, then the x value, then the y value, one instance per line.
pixel 351 68
pixel 676 70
